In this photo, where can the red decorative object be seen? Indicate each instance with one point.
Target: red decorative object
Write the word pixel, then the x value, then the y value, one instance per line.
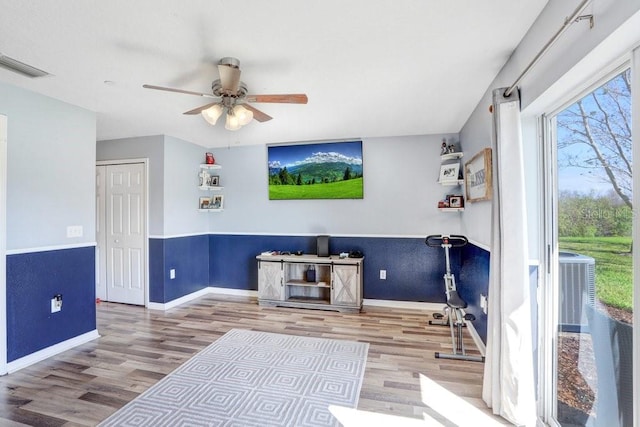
pixel 209 158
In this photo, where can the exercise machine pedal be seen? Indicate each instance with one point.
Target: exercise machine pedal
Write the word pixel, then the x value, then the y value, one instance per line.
pixel 439 319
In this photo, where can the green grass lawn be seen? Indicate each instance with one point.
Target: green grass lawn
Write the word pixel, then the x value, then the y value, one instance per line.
pixel 614 266
pixel 350 189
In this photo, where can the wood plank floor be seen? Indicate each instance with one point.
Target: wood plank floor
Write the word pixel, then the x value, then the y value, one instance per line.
pixel 138 347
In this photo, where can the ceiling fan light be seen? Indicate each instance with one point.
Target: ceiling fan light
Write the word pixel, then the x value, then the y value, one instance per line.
pixel 212 114
pixel 244 116
pixel 232 122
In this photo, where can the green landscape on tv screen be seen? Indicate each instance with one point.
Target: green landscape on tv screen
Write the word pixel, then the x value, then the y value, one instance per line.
pixel 330 170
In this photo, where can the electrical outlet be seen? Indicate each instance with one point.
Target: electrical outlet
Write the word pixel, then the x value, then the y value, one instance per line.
pixel 56 303
pixel 172 273
pixel 483 303
pixel 383 274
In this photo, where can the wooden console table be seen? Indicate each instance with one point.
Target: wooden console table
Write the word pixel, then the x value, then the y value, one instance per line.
pixel 309 281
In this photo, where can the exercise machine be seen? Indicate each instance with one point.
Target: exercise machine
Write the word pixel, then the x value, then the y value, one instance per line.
pixel 453 313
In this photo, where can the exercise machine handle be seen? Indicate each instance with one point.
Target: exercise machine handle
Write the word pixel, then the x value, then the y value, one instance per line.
pixel 455 240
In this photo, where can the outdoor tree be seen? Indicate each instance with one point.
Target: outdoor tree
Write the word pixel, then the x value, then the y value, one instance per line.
pixel 347 174
pixel 594 134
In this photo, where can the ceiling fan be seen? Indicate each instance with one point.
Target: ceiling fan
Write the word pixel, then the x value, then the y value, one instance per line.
pixel 231 96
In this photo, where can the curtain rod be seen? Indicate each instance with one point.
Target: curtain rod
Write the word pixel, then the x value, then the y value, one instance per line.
pixel 575 16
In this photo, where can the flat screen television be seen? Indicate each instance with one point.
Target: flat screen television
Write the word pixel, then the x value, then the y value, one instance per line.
pixel 327 170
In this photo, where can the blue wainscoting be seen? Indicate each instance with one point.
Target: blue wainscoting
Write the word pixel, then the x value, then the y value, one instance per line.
pixel 233 264
pixel 189 256
pixel 414 271
pixel 473 280
pixel 32 280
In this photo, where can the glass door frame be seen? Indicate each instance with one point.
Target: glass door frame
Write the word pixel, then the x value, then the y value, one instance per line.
pixel 548 290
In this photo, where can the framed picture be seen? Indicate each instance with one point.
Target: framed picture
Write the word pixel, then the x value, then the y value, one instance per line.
pixel 456 201
pixel 204 203
pixel 217 202
pixel 449 172
pixel 477 177
pixel 214 181
pixel 326 170
pixel 204 178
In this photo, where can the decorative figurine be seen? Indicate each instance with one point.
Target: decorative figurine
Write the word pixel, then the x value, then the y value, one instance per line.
pixel 204 178
pixel 209 158
pixel 444 149
pixel 452 148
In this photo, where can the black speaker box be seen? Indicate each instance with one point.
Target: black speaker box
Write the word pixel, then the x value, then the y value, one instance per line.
pixel 322 246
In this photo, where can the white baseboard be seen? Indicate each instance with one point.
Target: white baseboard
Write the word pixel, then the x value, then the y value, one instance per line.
pixel 236 292
pixel 45 353
pixel 176 302
pixel 429 306
pixel 202 292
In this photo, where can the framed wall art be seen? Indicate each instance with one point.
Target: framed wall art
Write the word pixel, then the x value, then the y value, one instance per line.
pixel 327 170
pixel 217 202
pixel 456 202
pixel 204 203
pixel 477 177
pixel 449 172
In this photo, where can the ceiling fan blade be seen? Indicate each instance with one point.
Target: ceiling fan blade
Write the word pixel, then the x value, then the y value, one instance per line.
pixel 200 109
pixel 229 78
pixel 257 114
pixel 188 92
pixel 290 98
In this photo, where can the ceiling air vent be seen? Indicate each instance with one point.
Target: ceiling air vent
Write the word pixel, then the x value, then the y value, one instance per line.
pixel 20 67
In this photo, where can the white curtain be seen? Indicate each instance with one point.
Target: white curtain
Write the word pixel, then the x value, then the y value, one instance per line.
pixel 635 111
pixel 508 386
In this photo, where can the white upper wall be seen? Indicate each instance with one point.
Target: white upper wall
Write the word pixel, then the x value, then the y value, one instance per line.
pixel 181 192
pixel 400 194
pixel 51 182
pixel 577 47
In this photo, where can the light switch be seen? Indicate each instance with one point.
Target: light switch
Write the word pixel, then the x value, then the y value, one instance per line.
pixel 74 231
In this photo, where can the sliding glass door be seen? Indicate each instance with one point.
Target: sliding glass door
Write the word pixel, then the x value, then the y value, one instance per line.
pixel 588 305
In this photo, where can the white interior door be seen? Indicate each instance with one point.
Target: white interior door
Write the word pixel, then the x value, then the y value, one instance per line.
pixel 124 233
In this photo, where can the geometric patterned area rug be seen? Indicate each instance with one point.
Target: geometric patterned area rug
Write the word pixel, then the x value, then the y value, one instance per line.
pixel 248 378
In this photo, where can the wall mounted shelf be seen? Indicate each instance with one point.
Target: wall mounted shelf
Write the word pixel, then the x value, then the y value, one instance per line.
pixel 207 166
pixel 452 182
pixel 451 156
pixel 209 182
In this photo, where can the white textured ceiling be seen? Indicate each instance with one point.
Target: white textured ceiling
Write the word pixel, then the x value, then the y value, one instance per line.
pixel 369 67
